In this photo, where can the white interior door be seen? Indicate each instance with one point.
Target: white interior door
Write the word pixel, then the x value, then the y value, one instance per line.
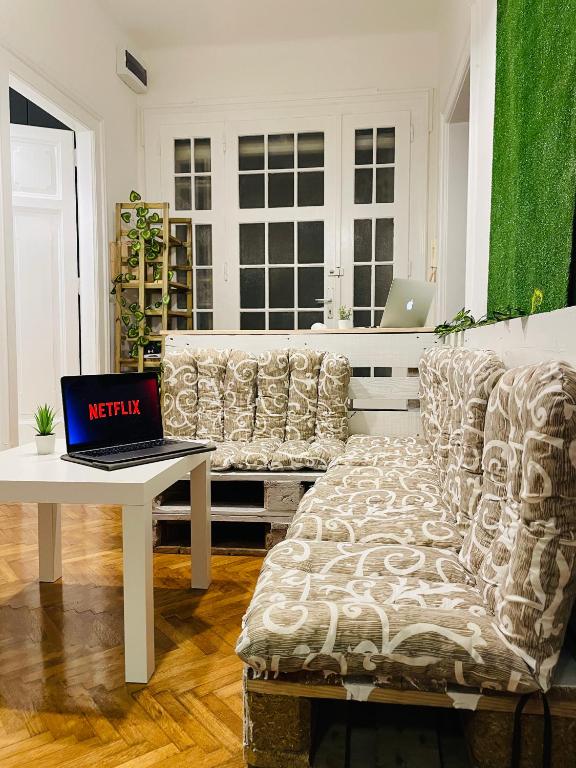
pixel 46 267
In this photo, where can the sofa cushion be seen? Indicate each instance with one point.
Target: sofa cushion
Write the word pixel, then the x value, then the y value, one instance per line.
pixel 272 398
pixel 240 395
pixel 180 393
pixel 374 451
pixel 302 454
pixel 225 455
pixel 333 384
pixel 529 572
pixel 211 372
pixel 403 613
pixel 304 365
pixel 256 455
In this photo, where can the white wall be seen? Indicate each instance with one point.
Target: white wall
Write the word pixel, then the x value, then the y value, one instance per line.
pixel 65 50
pixel 453 45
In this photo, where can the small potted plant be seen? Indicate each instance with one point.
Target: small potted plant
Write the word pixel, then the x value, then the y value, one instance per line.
pixel 344 317
pixel 45 437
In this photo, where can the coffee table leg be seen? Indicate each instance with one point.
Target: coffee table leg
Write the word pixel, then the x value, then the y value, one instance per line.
pixel 138 593
pixel 49 542
pixel 201 535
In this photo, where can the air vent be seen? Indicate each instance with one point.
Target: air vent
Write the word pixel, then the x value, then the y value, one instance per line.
pixel 131 71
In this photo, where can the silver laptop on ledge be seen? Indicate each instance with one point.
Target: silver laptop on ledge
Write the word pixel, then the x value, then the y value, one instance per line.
pixel 408 304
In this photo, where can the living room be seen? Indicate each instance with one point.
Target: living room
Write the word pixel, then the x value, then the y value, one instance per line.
pixel 321 246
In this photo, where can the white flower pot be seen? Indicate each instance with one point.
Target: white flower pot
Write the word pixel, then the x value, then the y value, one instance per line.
pixel 345 324
pixel 45 444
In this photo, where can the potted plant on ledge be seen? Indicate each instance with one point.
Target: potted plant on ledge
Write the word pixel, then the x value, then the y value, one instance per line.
pixel 45 437
pixel 344 317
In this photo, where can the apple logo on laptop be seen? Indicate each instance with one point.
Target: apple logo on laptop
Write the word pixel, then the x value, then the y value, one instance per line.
pixel 410 305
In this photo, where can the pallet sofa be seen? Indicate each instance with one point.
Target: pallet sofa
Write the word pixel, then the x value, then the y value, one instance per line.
pixel 435 570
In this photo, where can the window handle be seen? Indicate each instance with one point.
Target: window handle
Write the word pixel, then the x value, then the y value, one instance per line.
pixel 323 301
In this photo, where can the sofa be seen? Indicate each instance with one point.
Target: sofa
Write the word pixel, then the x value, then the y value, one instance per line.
pixel 282 410
pixel 440 564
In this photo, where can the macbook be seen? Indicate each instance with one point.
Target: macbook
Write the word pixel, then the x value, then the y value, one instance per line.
pixel 115 420
pixel 408 304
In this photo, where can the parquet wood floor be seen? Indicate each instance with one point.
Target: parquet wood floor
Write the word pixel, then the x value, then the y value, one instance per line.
pixel 63 701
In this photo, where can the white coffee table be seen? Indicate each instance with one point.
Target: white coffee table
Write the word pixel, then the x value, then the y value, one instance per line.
pixel 48 481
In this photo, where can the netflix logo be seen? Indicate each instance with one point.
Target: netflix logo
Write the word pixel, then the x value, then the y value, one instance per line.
pixel 113 408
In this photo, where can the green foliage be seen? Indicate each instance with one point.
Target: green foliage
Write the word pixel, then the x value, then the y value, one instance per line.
pixel 45 418
pixel 534 165
pixel 465 319
pixel 344 312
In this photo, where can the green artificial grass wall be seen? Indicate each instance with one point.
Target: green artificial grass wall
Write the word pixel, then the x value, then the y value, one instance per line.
pixel 534 166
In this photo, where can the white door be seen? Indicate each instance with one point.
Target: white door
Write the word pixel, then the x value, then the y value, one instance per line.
pixel 46 267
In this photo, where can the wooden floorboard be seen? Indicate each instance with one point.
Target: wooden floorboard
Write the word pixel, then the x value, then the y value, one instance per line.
pixel 63 701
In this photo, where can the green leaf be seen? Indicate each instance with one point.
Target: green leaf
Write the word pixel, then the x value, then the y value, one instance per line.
pixel 113 291
pixel 141 210
pixel 126 216
pixel 146 234
pixel 153 218
pixel 139 315
pixel 123 301
pixel 126 320
pixel 134 350
pixel 142 340
pixel 133 234
pixel 157 304
pixel 133 307
pixel 154 231
pixel 133 261
pixel 134 196
pixel 133 332
pixel 45 417
pixel 147 330
pixel 137 245
pixel 166 298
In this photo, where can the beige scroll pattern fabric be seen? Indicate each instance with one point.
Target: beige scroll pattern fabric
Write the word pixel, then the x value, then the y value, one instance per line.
pixel 211 373
pixel 303 393
pixel 239 399
pixel 180 393
pixel 272 400
pixel 333 384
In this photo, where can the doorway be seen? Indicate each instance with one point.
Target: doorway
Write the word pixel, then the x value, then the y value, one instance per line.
pixel 453 225
pixel 46 275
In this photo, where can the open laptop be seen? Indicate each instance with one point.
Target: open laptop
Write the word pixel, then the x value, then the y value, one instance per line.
pixel 408 304
pixel 114 420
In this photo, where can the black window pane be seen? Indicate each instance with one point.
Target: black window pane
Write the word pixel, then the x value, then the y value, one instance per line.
pixel 281 286
pixel 362 319
pixel 382 372
pixel 281 321
pixel 182 160
pixel 251 243
pixel 362 286
pixel 385 185
pixel 203 192
pixel 384 245
pixel 281 150
pixel 281 242
pixel 251 153
pixel 361 373
pixel 307 319
pixel 363 240
pixel 363 186
pixel 204 321
pixel 311 188
pixel 204 288
pixel 310 150
pixel 310 242
pixel 383 279
pixel 378 316
pixel 280 190
pixel 203 244
pixel 202 155
pixel 310 286
pixel 183 193
pixel 364 146
pixel 251 288
pixel 252 321
pixel 251 190
pixel 385 138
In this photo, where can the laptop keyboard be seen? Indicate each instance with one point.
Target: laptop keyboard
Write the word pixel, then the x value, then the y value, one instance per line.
pixel 127 448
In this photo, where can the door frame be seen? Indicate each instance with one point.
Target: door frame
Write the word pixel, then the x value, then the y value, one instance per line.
pixel 92 231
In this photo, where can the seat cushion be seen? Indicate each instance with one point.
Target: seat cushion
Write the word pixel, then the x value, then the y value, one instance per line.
pixel 400 613
pixel 363 450
pixel 303 454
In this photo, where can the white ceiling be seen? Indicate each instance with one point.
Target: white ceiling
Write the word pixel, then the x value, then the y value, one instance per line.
pixel 153 24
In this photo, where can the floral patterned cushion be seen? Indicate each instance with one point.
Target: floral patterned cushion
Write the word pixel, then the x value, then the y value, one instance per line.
pixel 304 367
pixel 272 398
pixel 180 393
pixel 303 454
pixel 333 383
pixel 239 399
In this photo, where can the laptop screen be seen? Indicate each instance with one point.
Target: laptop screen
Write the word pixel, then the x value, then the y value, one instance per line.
pixel 110 409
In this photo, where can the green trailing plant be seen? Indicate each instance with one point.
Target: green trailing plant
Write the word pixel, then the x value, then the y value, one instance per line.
pixel 344 312
pixel 464 319
pixel 143 234
pixel 45 418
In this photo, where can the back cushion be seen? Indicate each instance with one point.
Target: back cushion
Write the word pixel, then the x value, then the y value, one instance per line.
pixel 211 373
pixel 333 383
pixel 304 367
pixel 240 395
pixel 272 397
pixel 472 375
pixel 528 572
pixel 180 393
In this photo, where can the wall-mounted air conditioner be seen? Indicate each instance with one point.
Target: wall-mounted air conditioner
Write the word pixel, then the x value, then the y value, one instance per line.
pixel 131 71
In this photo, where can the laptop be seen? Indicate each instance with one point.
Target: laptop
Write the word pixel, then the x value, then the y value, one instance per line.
pixel 114 421
pixel 408 304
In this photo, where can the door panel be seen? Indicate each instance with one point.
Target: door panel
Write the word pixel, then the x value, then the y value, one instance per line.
pixel 46 267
